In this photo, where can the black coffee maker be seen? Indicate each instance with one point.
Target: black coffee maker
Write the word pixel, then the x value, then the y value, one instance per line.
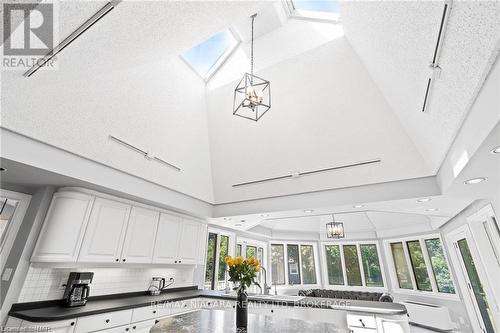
pixel 77 288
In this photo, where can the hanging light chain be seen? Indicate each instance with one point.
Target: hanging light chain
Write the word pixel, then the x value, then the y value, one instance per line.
pixel 251 47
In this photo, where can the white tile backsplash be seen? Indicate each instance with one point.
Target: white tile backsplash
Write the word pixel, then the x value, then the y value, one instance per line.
pixel 47 283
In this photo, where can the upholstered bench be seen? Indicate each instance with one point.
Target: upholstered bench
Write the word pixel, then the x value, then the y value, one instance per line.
pixel 346 294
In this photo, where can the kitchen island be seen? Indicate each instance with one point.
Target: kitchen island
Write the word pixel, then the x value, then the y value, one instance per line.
pixel 222 321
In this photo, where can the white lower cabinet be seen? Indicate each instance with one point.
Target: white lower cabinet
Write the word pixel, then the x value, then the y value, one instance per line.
pixel 142 326
pixel 62 326
pixel 103 321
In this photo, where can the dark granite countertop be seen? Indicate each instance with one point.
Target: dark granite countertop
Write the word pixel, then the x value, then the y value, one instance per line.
pixel 222 321
pixel 54 310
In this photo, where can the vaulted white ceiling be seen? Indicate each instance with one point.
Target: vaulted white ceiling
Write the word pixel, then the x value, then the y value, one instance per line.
pixel 396 41
pixel 335 99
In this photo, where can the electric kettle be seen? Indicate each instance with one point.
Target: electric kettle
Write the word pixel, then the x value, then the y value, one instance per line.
pixel 156 285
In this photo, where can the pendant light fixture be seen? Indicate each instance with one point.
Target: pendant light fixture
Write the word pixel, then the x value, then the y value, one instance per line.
pixel 335 229
pixel 252 96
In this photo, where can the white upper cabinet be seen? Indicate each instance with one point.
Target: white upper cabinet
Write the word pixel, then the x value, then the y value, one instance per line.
pixel 63 229
pixel 105 233
pixel 179 241
pixel 140 236
pixel 97 228
pixel 167 239
pixel 190 241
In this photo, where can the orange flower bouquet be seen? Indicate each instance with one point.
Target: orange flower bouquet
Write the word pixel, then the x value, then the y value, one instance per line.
pixel 243 271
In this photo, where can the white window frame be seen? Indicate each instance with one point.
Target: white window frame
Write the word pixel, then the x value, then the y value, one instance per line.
pixel 346 286
pixel 220 62
pixel 317 271
pixel 309 15
pixel 12 228
pixel 231 251
pixel 415 291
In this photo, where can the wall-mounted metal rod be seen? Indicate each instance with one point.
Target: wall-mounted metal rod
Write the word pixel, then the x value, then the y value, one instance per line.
pixel 306 173
pixel 434 65
pixel 440 35
pixel 144 153
pixel 74 35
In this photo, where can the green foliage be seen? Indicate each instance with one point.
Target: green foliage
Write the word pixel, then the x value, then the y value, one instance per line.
pixel 440 266
pixel 418 264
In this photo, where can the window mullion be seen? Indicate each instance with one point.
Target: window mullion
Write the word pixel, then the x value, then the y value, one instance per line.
pixel 300 264
pixel 428 264
pixel 342 259
pixel 216 266
pixel 361 269
pixel 410 265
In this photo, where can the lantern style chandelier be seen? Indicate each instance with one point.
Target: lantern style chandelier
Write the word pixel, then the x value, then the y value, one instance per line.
pixel 252 96
pixel 335 229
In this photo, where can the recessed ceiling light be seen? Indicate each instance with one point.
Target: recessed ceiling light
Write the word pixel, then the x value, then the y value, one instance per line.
pixel 496 150
pixel 358 206
pixel 2 169
pixel 475 180
pixel 424 200
pixel 431 209
pixel 242 221
pixel 264 215
pixel 308 211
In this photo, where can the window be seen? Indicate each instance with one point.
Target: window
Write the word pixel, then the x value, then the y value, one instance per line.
pixel 352 265
pixel 293 264
pixel 420 264
pixel 439 266
pixel 210 268
pixel 206 57
pixel 324 10
pixel 218 248
pixel 402 271
pixel 371 265
pixel 278 263
pixel 223 253
pixel 251 251
pixel 7 209
pixel 308 267
pixel 334 265
pixel 327 6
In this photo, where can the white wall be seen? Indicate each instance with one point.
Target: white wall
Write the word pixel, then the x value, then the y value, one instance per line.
pixel 157 106
pixel 46 283
pixel 326 111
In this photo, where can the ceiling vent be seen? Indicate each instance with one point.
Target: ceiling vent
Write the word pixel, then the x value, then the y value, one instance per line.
pixel 435 70
pixel 297 174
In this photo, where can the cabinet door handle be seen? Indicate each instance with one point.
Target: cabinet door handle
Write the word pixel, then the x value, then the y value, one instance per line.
pixel 72 323
pixel 127 329
pixel 107 321
pixel 133 327
pixel 180 261
pixel 117 259
pixel 157 321
pixel 154 311
pixel 272 311
pixel 124 260
pixel 175 262
pixel 362 324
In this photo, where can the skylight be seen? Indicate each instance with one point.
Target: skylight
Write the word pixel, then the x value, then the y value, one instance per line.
pixel 206 57
pixel 314 9
pixel 328 6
